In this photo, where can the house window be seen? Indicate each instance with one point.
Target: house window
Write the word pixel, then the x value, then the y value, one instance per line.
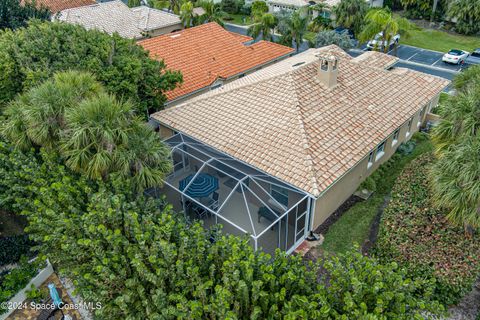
pixel 395 137
pixel 280 194
pixel 370 159
pixel 409 126
pixel 380 151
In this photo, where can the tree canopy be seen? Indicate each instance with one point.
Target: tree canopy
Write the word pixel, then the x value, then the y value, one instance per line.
pixel 14 15
pixel 31 55
pixel 96 134
pixel 325 38
pixel 350 14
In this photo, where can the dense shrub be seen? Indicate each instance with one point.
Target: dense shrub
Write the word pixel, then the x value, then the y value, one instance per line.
pixel 31 55
pixel 16 279
pixel 419 237
pixel 141 260
pixel 13 248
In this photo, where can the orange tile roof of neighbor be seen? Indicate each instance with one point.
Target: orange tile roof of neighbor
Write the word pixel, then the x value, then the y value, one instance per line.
pixel 59 5
pixel 285 121
pixel 208 52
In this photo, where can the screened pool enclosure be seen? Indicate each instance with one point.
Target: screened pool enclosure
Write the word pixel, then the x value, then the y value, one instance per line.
pixel 212 186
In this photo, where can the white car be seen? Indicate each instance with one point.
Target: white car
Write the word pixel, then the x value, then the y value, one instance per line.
pixel 376 43
pixel 455 56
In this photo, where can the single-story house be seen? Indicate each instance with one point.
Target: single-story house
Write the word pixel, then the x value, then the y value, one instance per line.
pixel 116 16
pixel 275 153
pixel 209 56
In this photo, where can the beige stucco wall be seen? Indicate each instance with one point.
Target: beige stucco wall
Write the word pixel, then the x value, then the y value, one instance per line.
pixel 331 199
pixel 165 30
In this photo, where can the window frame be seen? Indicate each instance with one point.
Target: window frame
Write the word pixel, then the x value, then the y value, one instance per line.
pixel 395 136
pixel 380 153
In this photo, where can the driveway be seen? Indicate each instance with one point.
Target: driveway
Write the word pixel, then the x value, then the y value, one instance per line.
pixel 425 57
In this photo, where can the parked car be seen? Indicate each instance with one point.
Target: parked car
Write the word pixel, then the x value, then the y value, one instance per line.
pixel 474 57
pixel 455 56
pixel 377 43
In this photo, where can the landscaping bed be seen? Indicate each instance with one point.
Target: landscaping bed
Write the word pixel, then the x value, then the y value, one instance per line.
pixel 419 237
pixel 355 224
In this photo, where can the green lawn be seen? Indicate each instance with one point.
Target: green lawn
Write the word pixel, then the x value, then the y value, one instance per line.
pixel 354 225
pixel 239 19
pixel 440 41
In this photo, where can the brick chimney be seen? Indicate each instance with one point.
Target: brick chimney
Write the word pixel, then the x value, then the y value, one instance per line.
pixel 328 70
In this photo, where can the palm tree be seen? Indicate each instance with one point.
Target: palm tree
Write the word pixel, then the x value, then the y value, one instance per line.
pixel 186 14
pixel 145 160
pixel 456 183
pixel 293 29
pixel 263 26
pixel 460 119
pixel 350 14
pixel 381 21
pixel 320 21
pixel 469 78
pixel 434 9
pixel 104 138
pixel 95 130
pixel 36 118
pixel 456 174
pixel 467 12
pixel 213 13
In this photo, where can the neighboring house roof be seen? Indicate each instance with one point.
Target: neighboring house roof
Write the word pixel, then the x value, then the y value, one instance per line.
pixel 376 59
pixel 289 3
pixel 59 5
pixel 286 122
pixel 208 52
pixel 115 16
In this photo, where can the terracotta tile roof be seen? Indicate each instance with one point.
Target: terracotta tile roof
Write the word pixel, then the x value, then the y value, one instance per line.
pixel 115 16
pixel 290 125
pixel 376 59
pixel 208 52
pixel 59 5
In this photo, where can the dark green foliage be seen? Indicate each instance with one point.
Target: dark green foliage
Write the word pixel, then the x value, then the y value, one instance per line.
pixel 350 14
pixel 30 55
pixel 231 6
pixel 141 260
pixel 362 288
pixel 467 14
pixel 368 184
pixel 17 278
pixel 13 15
pixel 13 248
pixel 420 238
pixel 259 7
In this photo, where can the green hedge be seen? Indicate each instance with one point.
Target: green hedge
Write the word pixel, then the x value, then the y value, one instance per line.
pixel 17 279
pixel 12 248
pixel 419 237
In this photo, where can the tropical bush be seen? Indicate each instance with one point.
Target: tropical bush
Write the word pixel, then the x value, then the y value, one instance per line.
pixel 14 14
pixel 17 278
pixel 141 260
pixel 419 237
pixel 29 56
pixel 325 38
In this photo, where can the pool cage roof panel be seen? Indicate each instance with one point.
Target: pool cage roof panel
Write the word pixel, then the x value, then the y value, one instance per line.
pixel 244 190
